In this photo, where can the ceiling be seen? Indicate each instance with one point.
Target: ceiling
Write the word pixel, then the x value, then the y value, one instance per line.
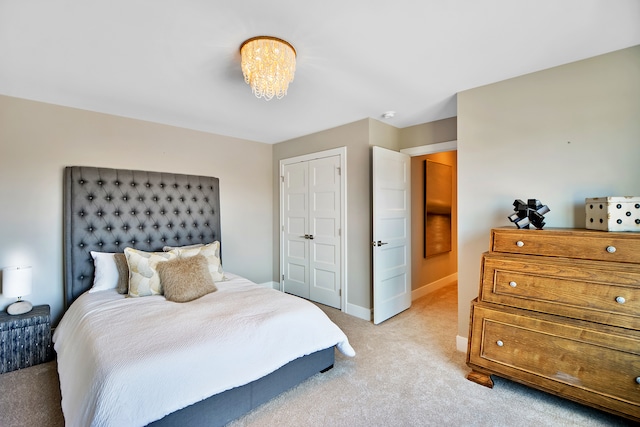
pixel 177 62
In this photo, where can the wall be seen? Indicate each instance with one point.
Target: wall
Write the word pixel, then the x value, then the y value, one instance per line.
pixel 429 133
pixel 558 135
pixel 38 140
pixel 357 137
pixel 431 273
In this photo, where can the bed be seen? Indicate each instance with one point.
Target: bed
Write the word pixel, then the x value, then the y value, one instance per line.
pixel 151 359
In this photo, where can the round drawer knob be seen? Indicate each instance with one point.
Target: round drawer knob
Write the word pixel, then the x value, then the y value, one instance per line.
pixel 620 300
pixel 519 243
pixel 513 284
pixel 638 380
pixel 500 343
pixel 611 249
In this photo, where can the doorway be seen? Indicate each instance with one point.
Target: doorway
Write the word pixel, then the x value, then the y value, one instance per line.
pixel 435 271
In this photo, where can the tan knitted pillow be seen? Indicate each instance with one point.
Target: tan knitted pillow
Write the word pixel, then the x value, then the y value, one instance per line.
pixel 186 279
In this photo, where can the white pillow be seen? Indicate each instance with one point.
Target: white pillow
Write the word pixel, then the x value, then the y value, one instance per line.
pixel 106 272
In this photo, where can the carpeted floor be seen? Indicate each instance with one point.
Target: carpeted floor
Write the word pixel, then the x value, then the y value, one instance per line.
pixel 407 372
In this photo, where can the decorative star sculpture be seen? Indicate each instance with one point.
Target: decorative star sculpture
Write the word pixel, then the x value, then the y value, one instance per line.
pixel 530 213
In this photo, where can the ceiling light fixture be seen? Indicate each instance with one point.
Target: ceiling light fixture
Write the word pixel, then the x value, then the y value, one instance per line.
pixel 268 65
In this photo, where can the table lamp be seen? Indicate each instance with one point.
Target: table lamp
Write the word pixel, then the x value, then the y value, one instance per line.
pixel 16 282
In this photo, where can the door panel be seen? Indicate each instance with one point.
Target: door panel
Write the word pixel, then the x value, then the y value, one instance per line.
pixel 296 215
pixel 324 192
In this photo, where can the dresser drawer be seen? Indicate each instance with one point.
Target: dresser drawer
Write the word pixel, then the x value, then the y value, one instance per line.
pixel 569 358
pixel 568 243
pixel 602 292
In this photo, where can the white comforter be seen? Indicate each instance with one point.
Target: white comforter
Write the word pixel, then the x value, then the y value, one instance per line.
pixel 130 361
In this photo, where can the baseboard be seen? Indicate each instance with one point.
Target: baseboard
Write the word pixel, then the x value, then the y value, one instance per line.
pixel 273 285
pixel 352 309
pixel 461 343
pixel 433 286
pixel 359 312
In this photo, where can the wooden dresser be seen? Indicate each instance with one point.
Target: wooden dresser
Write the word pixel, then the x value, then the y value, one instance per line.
pixel 559 310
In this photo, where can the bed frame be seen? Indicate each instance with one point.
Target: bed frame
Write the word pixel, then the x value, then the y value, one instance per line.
pixel 107 210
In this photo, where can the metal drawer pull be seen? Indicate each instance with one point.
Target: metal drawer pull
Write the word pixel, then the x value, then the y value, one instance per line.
pixel 638 380
pixel 620 300
pixel 500 343
pixel 611 249
pixel 513 284
pixel 519 243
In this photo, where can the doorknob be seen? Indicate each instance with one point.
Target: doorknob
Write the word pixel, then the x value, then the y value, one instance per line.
pixel 308 236
pixel 379 243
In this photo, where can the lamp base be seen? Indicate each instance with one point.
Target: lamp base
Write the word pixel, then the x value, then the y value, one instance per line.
pixel 19 307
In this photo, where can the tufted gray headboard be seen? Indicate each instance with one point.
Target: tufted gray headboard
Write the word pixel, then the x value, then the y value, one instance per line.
pixel 107 210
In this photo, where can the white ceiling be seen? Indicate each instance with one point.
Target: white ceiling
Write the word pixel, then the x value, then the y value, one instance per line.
pixel 177 62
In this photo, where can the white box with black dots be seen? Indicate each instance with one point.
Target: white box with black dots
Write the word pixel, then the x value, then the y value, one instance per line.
pixel 613 213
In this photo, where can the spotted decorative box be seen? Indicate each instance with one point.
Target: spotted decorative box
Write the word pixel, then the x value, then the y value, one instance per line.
pixel 25 339
pixel 613 213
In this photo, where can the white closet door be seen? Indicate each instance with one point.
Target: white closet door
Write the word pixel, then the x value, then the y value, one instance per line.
pixel 296 226
pixel 311 230
pixel 324 220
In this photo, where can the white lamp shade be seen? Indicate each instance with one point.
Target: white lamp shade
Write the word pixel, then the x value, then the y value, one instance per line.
pixel 16 281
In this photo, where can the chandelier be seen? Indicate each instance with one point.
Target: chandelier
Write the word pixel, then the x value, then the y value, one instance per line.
pixel 268 65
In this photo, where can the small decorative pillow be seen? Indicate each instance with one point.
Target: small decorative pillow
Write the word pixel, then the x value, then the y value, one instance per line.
pixel 123 273
pixel 211 252
pixel 143 273
pixel 186 279
pixel 105 275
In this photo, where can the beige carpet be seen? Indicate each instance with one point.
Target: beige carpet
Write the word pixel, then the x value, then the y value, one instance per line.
pixel 407 372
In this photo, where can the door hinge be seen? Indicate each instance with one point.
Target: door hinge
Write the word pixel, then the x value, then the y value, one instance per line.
pixel 282 178
pixel 283 277
pixel 339 170
pixel 340 292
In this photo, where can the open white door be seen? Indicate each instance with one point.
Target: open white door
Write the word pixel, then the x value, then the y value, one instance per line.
pixel 391 233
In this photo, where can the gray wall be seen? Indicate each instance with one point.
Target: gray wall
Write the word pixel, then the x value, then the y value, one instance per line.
pixel 558 135
pixel 38 140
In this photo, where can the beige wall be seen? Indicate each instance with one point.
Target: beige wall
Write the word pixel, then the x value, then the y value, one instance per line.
pixel 355 137
pixel 425 272
pixel 558 135
pixel 429 133
pixel 38 140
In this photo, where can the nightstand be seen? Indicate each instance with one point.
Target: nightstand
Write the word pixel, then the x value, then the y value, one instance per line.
pixel 25 339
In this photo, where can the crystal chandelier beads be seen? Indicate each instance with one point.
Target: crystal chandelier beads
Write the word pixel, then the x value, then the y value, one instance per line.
pixel 268 65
